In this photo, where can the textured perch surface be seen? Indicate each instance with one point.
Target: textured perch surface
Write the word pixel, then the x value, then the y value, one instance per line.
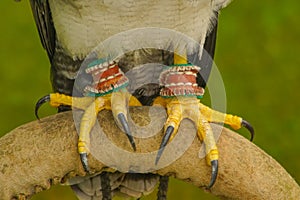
pixel 39 154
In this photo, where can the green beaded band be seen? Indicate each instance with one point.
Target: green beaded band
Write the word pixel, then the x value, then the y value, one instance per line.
pixel 96 62
pixel 188 95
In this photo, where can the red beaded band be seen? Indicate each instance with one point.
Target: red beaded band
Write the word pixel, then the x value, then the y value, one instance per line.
pixel 107 76
pixel 180 81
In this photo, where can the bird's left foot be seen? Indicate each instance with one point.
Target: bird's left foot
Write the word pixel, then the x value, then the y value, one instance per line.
pixel 181 99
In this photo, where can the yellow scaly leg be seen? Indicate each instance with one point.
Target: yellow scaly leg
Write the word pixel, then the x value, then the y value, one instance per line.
pixel 116 101
pixel 180 97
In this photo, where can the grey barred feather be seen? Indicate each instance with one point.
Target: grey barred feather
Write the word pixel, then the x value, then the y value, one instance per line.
pixel 163 188
pixel 126 185
pixel 63 71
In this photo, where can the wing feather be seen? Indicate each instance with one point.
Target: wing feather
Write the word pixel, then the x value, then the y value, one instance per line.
pixel 43 20
pixel 206 61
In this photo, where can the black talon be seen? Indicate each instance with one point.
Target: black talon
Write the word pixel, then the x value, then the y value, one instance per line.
pixel 248 126
pixel 40 102
pixel 164 142
pixel 84 162
pixel 214 173
pixel 125 125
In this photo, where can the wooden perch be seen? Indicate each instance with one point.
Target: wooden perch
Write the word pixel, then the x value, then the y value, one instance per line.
pixel 39 154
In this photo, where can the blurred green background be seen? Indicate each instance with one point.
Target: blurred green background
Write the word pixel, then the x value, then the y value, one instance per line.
pixel 257 54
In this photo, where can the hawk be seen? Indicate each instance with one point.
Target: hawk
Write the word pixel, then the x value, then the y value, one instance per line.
pixel 70 30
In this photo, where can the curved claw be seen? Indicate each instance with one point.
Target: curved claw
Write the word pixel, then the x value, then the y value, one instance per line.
pixel 84 162
pixel 125 125
pixel 40 102
pixel 164 142
pixel 248 126
pixel 214 173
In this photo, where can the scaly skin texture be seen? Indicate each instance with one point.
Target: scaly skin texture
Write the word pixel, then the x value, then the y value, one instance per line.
pixel 188 107
pixel 92 106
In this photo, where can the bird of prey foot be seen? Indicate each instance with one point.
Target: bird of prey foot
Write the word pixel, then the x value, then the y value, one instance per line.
pixel 108 91
pixel 181 96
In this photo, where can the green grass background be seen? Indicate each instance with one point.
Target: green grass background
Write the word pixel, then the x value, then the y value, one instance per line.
pixel 257 54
